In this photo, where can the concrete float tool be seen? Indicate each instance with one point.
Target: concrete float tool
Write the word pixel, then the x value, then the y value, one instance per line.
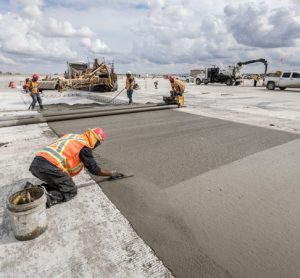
pixel 119 177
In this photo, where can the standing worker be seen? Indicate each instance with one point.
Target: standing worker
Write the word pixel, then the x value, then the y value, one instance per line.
pixel 256 79
pixel 129 86
pixel 26 85
pixel 96 64
pixel 59 162
pixel 34 92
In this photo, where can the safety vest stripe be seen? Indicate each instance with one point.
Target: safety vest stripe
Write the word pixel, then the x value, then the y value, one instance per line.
pixel 63 141
pixel 55 155
pixel 61 147
pixel 76 168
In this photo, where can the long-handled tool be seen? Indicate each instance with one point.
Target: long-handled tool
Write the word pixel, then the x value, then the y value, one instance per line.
pixel 115 96
pixel 119 177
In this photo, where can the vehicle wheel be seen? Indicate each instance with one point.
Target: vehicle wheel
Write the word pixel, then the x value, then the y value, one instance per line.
pixel 229 82
pixel 198 81
pixel 282 88
pixel 205 81
pixel 187 80
pixel 271 86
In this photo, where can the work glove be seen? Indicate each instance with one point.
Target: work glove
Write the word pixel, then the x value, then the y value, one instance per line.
pixel 115 174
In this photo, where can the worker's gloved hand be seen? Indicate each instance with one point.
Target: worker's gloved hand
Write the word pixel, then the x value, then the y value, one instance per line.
pixel 114 174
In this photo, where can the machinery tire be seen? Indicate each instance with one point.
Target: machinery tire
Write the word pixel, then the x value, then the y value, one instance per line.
pixel 198 81
pixel 229 82
pixel 282 88
pixel 271 85
pixel 205 81
pixel 187 80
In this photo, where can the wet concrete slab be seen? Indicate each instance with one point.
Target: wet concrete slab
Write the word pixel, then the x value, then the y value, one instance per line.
pixel 86 237
pixel 164 150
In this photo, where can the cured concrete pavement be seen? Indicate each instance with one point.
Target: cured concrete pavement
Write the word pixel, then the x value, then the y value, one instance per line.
pixel 212 198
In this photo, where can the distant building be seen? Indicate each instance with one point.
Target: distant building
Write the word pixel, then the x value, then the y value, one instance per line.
pixel 195 72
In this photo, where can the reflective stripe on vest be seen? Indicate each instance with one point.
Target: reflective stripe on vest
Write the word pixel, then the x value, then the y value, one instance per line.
pixel 76 169
pixel 54 154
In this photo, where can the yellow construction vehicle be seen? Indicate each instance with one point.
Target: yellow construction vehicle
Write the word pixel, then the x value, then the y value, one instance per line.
pixel 81 76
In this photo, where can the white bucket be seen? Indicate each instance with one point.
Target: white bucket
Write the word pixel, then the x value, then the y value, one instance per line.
pixel 29 220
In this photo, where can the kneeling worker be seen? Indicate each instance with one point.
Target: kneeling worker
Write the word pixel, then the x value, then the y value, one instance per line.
pixel 57 163
pixel 178 88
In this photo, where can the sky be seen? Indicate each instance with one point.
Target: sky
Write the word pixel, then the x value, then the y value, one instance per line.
pixel 154 36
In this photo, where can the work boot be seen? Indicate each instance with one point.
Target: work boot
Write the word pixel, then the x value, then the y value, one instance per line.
pixel 53 198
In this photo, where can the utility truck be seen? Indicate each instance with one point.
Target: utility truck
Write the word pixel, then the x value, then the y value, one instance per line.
pixel 230 75
pixel 288 79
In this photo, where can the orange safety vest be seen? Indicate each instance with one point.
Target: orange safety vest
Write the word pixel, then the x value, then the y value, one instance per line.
pixel 178 86
pixel 33 87
pixel 64 153
pixel 128 84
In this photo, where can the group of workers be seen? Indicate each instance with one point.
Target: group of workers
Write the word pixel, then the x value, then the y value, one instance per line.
pixel 31 87
pixel 177 86
pixel 57 163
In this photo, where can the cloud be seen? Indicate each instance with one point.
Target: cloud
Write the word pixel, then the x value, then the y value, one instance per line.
pixel 6 60
pixel 19 37
pixel 28 35
pixel 94 46
pixel 165 33
pixel 256 25
pixel 31 8
pixel 189 32
pixel 64 29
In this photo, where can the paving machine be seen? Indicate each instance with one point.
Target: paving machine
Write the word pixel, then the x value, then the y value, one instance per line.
pixel 81 76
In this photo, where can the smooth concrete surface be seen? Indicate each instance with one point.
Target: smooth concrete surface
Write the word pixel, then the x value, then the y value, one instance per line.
pixel 246 214
pixel 86 237
pixel 228 231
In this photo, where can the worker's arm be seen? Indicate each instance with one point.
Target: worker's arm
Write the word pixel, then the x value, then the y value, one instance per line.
pixel 87 158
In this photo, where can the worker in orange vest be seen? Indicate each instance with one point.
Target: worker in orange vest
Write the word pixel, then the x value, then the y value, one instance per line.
pixel 178 86
pixel 129 85
pixel 34 92
pixel 59 162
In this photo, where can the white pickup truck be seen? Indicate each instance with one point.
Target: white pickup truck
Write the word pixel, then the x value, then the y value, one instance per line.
pixel 288 79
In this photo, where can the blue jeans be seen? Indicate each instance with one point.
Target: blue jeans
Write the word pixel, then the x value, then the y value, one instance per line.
pixel 36 98
pixel 129 95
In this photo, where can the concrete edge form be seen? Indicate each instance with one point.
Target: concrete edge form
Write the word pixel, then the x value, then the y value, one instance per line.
pixel 42 119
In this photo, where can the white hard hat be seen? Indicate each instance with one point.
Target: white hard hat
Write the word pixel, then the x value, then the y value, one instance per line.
pixel 128 72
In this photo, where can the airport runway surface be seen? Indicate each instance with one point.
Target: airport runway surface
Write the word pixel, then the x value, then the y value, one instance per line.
pixel 212 198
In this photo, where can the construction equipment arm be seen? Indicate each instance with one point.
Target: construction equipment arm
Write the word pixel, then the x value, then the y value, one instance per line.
pixel 261 60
